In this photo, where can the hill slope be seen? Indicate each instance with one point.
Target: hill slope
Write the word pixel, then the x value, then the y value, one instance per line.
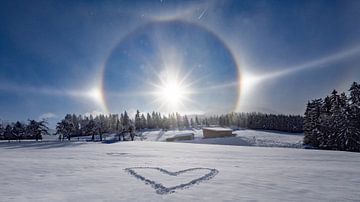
pixel 52 171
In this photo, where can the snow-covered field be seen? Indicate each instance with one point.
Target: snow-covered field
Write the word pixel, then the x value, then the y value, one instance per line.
pixel 242 138
pixel 54 171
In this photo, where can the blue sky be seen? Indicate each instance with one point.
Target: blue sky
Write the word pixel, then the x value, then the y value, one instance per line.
pixel 59 57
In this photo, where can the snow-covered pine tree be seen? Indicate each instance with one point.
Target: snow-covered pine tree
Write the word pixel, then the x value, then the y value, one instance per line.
pixel 66 128
pixel 148 121
pixel 353 141
pixel 18 130
pixel 76 124
pixel 186 122
pixel 341 125
pixel 2 129
pixel 143 121
pixel 179 121
pixel 118 128
pixel 37 129
pixel 113 125
pixel 197 122
pixel 83 124
pixel 70 127
pixel 330 140
pixel 355 94
pixel 8 135
pixel 91 129
pixel 126 121
pixel 192 123
pixel 101 124
pixel 312 122
pixel 137 120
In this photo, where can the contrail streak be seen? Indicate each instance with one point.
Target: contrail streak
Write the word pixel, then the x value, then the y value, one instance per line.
pixel 202 14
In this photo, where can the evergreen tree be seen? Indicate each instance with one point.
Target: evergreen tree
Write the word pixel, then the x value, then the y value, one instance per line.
pixel 197 121
pixel 137 120
pixel 353 143
pixel 2 130
pixel 8 135
pixel 76 124
pixel 18 130
pixel 312 122
pixel 332 140
pixel 101 125
pixel 37 129
pixel 126 121
pixel 148 121
pixel 143 121
pixel 192 123
pixel 186 122
pixel 179 123
pixel 355 94
pixel 337 126
pixel 65 127
pixel 91 129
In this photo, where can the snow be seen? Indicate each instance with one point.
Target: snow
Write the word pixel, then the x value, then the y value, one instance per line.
pixel 242 138
pixel 163 135
pixel 218 129
pixel 270 138
pixel 85 171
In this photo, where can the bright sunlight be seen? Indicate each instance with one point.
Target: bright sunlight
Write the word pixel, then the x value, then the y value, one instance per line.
pixel 171 93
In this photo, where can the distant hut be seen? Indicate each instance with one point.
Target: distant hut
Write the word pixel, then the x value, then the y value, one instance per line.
pixel 217 132
pixel 187 136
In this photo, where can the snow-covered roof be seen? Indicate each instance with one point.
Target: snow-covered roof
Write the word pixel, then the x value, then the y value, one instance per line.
pixel 184 135
pixel 218 129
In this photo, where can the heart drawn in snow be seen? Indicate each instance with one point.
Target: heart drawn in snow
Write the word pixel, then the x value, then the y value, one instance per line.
pixel 161 189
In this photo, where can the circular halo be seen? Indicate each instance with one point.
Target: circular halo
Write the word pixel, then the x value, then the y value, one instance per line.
pixel 152 24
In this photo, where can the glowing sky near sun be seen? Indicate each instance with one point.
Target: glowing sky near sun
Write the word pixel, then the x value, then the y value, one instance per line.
pixel 188 56
pixel 168 68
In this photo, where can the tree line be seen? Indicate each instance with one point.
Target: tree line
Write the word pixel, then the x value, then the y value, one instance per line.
pixel 334 122
pixel 20 131
pixel 122 125
pixel 257 121
pixel 78 125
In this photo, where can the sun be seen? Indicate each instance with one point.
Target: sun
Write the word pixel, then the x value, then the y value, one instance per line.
pixel 171 93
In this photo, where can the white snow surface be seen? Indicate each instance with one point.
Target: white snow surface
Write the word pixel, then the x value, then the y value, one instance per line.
pixel 162 135
pixel 241 138
pixel 83 171
pixel 218 129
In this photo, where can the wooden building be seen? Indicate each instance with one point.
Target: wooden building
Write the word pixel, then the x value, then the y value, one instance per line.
pixel 217 132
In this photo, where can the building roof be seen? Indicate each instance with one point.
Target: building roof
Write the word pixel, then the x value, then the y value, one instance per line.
pixel 218 129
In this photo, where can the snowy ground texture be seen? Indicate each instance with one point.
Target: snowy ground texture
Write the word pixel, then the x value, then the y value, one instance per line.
pixel 160 171
pixel 242 138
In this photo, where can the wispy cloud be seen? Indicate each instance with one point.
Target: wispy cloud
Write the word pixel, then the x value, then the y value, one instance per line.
pixel 48 115
pixel 94 113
